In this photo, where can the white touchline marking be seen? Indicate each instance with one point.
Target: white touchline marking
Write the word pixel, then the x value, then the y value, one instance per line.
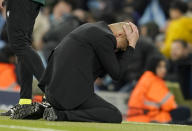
pixel 29 128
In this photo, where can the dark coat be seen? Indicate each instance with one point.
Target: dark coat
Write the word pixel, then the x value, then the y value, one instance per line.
pixel 78 60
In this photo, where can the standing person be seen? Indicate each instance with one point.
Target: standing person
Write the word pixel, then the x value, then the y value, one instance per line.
pixel 83 55
pixel 21 15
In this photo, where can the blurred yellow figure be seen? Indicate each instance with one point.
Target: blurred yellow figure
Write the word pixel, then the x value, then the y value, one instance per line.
pixel 178 29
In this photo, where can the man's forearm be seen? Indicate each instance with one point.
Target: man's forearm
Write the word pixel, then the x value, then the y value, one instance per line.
pixel 124 60
pixel 124 54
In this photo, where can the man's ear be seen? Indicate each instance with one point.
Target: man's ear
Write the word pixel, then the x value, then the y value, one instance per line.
pixel 119 34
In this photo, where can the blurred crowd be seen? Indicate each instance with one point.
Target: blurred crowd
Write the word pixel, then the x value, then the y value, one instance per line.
pixel 165 30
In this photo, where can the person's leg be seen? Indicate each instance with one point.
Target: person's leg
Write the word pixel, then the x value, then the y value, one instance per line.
pixel 21 15
pixel 180 115
pixel 25 80
pixel 94 109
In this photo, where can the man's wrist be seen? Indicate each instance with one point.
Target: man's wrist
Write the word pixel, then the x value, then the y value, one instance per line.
pixel 132 45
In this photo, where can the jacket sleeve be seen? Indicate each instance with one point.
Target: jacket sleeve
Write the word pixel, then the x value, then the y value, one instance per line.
pixel 169 104
pixel 114 66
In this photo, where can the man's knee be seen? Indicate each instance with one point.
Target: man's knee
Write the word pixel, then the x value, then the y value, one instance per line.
pixel 20 45
pixel 117 117
pixel 114 116
pixel 19 40
pixel 19 50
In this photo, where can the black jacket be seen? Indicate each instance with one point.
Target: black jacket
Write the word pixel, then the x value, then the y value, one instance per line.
pixel 78 60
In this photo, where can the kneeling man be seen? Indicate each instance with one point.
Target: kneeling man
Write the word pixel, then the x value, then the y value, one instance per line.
pixel 82 56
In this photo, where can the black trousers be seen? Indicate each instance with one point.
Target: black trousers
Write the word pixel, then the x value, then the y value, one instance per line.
pixel 180 115
pixel 21 15
pixel 94 109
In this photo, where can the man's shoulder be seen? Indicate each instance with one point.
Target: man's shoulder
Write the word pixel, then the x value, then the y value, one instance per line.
pixel 40 1
pixel 94 33
pixel 87 28
pixel 97 27
pixel 96 24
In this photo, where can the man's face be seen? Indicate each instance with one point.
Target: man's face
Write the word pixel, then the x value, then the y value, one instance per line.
pixel 174 14
pixel 177 51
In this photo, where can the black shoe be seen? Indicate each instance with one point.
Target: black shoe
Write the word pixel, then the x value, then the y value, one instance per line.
pixel 50 114
pixel 9 112
pixel 45 103
pixel 37 112
pixel 28 111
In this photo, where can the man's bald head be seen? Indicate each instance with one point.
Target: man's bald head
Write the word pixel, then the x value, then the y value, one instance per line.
pixel 120 35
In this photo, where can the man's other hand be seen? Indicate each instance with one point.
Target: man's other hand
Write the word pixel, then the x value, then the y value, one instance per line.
pixel 132 36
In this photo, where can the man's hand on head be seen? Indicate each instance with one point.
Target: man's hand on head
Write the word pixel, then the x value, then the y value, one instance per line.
pixel 132 36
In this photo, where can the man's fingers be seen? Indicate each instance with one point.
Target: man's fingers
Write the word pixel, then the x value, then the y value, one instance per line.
pixel 126 30
pixel 131 27
pixel 133 32
pixel 134 28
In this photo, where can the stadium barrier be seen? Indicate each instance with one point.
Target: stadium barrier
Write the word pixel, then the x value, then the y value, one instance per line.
pixel 175 89
pixel 8 99
pixel 119 100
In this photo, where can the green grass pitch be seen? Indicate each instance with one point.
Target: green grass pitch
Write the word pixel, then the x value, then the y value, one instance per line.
pixel 7 124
